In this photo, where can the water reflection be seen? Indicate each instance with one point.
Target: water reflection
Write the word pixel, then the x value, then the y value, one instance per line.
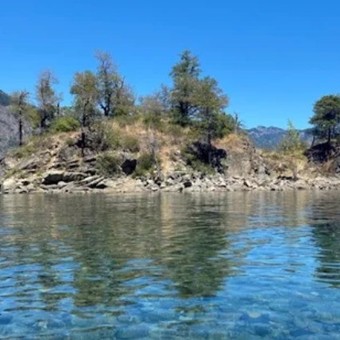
pixel 121 260
pixel 326 231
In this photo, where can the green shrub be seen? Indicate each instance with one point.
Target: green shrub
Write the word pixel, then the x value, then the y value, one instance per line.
pixel 145 163
pixel 65 124
pixel 129 142
pixel 195 163
pixel 291 143
pixel 154 121
pixel 103 137
pixel 201 167
pixel 108 164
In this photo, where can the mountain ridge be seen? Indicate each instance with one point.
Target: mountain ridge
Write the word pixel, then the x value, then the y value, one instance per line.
pixel 269 137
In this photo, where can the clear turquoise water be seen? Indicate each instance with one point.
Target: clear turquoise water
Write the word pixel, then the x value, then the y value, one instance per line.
pixel 177 266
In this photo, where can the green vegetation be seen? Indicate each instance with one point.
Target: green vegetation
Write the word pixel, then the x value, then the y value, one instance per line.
pixel 108 118
pixel 195 163
pixel 48 101
pixel 129 143
pixel 108 164
pixel 19 104
pixel 197 101
pixel 145 163
pixel 64 124
pixel 114 97
pixel 292 142
pixel 33 145
pixel 326 118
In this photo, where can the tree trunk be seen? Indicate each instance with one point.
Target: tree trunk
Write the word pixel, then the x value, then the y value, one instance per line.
pixel 20 132
pixel 83 141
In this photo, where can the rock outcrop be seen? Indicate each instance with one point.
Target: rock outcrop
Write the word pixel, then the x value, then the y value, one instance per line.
pixel 59 166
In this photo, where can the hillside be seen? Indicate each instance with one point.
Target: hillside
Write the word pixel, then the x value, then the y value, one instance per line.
pixel 132 157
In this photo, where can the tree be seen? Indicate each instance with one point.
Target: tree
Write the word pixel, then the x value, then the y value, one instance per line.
pixel 326 118
pixel 185 76
pixel 19 102
pixel 86 95
pixel 114 96
pixel 292 141
pixel 237 123
pixel 210 102
pixel 155 106
pixel 47 98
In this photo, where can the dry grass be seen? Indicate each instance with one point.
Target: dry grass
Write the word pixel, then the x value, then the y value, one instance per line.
pixel 165 141
pixel 285 164
pixel 233 142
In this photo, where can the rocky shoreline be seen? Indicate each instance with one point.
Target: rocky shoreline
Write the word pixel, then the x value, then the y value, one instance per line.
pixel 81 182
pixel 59 167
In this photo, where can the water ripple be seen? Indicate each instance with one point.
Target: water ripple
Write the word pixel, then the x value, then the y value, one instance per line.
pixel 237 265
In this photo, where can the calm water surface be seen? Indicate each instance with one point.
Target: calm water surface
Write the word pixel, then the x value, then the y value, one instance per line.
pixel 177 266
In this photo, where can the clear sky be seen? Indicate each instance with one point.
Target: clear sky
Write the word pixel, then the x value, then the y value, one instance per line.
pixel 273 58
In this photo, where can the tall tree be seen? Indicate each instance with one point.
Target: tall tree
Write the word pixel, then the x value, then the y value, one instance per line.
pixel 19 103
pixel 114 96
pixel 210 102
pixel 326 118
pixel 46 97
pixel 86 95
pixel 185 75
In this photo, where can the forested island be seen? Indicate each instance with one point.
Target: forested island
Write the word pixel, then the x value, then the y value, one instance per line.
pixel 180 138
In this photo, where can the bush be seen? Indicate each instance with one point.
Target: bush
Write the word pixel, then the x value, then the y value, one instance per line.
pixel 145 163
pixel 152 120
pixel 129 142
pixel 105 137
pixel 195 163
pixel 108 164
pixel 65 124
pixel 292 143
pixel 102 137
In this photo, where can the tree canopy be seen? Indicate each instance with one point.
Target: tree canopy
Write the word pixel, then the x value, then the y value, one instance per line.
pixel 326 118
pixel 114 96
pixel 192 100
pixel 86 95
pixel 210 102
pixel 46 97
pixel 185 76
pixel 19 106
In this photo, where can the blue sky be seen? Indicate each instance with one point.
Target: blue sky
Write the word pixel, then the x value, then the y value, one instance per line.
pixel 273 58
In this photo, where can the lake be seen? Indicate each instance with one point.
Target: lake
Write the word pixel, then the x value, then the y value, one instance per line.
pixel 170 266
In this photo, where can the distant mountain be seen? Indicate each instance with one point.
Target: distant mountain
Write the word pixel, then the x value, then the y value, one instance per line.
pixel 5 99
pixel 270 137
